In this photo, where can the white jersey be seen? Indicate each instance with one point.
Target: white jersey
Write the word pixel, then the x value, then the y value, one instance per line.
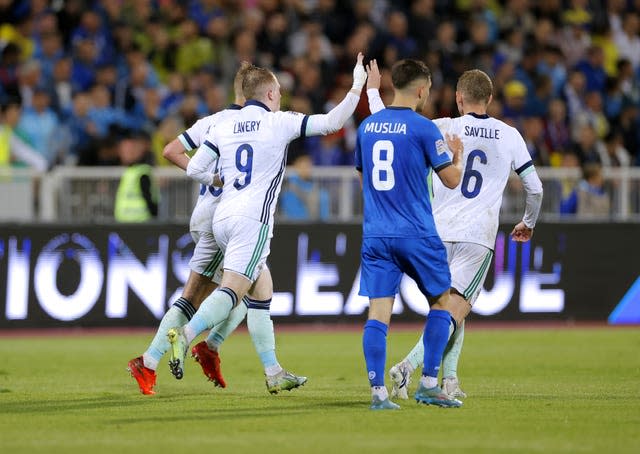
pixel 470 212
pixel 208 199
pixel 252 146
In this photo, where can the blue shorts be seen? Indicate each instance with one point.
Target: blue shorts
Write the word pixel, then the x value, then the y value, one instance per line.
pixel 384 260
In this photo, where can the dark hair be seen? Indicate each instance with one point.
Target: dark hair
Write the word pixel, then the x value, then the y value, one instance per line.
pixel 407 71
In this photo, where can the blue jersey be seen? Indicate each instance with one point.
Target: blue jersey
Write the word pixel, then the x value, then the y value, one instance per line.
pixel 395 151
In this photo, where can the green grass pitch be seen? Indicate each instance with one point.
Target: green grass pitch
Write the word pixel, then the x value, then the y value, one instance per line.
pixel 532 390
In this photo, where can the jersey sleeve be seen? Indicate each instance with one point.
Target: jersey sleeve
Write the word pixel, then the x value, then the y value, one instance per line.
pixel 200 163
pixel 291 125
pixel 436 149
pixel 193 137
pixel 444 125
pixel 357 158
pixel 521 160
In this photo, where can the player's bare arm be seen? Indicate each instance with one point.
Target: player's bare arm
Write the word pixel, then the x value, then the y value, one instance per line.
pixel 174 151
pixel 451 175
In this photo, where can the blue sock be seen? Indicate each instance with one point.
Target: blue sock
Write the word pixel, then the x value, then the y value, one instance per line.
pixel 374 344
pixel 436 335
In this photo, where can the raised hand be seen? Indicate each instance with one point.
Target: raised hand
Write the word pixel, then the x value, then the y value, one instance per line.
pixel 359 74
pixel 373 73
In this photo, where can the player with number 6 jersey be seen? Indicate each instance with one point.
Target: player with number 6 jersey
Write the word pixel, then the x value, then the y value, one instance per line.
pixel 467 217
pixel 492 150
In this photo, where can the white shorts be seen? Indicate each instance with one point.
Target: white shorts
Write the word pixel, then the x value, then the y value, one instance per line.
pixel 469 264
pixel 202 214
pixel 207 258
pixel 245 243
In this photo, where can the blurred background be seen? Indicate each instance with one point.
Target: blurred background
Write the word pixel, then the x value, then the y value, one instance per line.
pixel 85 84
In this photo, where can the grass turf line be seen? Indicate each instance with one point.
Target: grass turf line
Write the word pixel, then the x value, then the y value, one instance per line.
pixel 545 391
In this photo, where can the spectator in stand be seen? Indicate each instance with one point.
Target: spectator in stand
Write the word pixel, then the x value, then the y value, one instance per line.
pixel 49 52
pixel 422 21
pixel 102 115
pixel 514 109
pixel 398 37
pixel 302 199
pixel 588 198
pixel 85 59
pixel 538 102
pixel 533 135
pixel 59 87
pixel 556 130
pixel 551 64
pixel 272 41
pixel 612 152
pixel 629 125
pixel 78 122
pixel 593 114
pixel 14 150
pixel 629 81
pixel 593 69
pixel 585 145
pixel 193 51
pixel 627 38
pixel 39 124
pixel 93 30
pixel 574 92
pixel 575 39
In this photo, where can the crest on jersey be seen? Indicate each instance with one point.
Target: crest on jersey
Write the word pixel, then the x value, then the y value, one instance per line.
pixel 441 147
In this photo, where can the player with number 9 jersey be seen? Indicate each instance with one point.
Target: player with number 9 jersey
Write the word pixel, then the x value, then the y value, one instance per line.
pixel 209 196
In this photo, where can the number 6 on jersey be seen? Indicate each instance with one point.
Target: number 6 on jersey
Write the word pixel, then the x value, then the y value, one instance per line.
pixel 382 175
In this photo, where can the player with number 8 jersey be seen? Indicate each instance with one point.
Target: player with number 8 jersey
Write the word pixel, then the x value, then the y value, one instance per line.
pixel 396 150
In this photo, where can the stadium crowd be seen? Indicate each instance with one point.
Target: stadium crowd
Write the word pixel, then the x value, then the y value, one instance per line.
pixel 77 76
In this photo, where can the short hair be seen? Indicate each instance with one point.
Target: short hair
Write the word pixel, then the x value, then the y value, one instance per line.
pixel 255 80
pixel 475 86
pixel 406 71
pixel 591 169
pixel 239 78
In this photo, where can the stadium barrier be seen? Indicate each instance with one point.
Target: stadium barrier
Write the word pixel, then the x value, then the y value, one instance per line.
pixel 86 194
pixel 127 275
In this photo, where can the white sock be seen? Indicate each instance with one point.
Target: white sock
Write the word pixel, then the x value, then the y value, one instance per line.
pixel 273 370
pixel 429 382
pixel 380 392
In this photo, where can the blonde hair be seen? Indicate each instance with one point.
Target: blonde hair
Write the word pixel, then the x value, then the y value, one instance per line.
pixel 255 82
pixel 475 86
pixel 237 81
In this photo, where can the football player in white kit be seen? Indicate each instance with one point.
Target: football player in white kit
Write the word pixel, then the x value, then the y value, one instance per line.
pixel 252 150
pixel 467 217
pixel 205 264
